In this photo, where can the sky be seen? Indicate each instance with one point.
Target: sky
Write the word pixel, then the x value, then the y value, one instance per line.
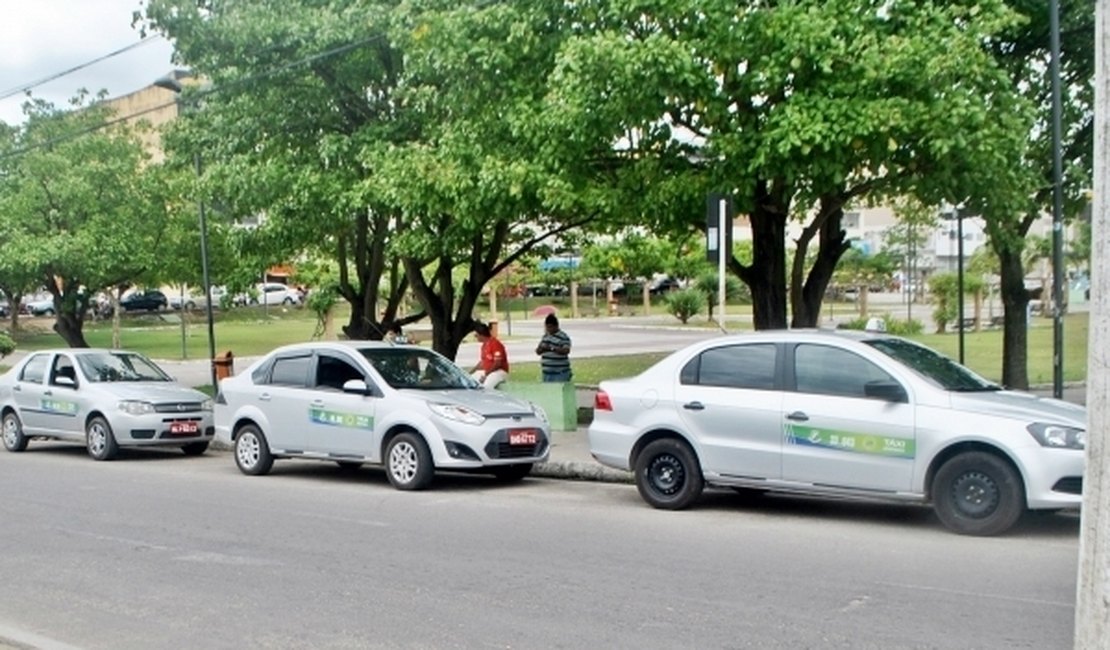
pixel 40 38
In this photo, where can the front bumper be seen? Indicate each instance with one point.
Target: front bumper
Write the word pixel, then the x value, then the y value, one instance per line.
pixel 1053 477
pixel 172 429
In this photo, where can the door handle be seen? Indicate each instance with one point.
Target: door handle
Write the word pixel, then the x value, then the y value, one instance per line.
pixel 797 416
pixel 265 397
pixel 47 392
pixel 317 402
pixel 694 406
pixel 17 389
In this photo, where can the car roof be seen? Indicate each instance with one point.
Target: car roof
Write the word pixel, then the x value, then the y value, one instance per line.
pixel 79 351
pixel 344 346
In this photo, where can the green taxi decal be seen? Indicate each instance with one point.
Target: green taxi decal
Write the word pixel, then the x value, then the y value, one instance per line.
pixel 860 443
pixel 58 406
pixel 337 419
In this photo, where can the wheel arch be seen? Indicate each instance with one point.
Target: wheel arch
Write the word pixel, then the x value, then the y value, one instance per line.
pixel 96 413
pixel 241 422
pixel 659 434
pixel 396 430
pixel 952 451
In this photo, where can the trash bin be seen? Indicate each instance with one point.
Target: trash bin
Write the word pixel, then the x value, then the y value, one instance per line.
pixel 224 363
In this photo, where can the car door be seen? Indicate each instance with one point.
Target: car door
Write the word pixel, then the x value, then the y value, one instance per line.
pixel 340 424
pixel 836 434
pixel 730 398
pixel 285 398
pixel 64 407
pixel 29 393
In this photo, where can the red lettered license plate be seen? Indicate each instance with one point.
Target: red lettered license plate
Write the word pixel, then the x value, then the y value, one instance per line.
pixel 183 427
pixel 523 437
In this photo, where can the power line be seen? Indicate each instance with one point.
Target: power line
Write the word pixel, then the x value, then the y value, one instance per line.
pixel 11 92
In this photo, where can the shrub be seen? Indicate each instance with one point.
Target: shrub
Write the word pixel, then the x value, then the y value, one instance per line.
pixel 7 345
pixel 684 303
pixel 893 325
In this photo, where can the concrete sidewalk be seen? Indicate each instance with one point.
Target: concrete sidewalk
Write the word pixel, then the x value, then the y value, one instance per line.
pixel 570 459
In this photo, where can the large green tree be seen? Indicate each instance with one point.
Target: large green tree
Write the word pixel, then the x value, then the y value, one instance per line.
pixel 79 209
pixel 798 108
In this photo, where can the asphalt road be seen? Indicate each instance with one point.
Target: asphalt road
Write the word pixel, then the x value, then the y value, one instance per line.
pixel 159 551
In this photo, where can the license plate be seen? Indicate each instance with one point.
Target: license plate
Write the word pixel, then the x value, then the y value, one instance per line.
pixel 523 437
pixel 183 427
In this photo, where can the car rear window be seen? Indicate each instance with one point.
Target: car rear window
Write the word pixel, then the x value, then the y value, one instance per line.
pixel 733 366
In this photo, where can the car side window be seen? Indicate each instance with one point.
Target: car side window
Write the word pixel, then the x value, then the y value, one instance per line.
pixel 733 366
pixel 63 367
pixel 826 370
pixel 261 374
pixel 333 371
pixel 35 369
pixel 291 371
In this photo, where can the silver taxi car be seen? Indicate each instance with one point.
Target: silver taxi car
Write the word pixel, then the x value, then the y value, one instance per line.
pixel 401 406
pixel 105 398
pixel 841 413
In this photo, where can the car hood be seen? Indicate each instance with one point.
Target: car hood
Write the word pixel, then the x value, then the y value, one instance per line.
pixel 1021 406
pixel 149 391
pixel 481 401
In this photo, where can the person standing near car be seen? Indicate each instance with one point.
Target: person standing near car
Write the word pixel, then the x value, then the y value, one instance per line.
pixel 493 360
pixel 554 351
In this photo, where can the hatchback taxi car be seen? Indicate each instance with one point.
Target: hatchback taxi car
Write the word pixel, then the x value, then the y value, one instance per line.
pixel 401 406
pixel 841 413
pixel 105 398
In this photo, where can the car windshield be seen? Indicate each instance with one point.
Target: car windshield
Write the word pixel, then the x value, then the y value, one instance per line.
pixel 932 365
pixel 119 366
pixel 412 367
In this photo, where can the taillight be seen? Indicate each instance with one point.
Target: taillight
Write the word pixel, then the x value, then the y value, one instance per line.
pixel 602 401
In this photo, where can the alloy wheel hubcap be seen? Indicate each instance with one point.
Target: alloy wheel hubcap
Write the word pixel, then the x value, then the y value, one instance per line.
pixel 96 439
pixel 248 448
pixel 10 432
pixel 402 462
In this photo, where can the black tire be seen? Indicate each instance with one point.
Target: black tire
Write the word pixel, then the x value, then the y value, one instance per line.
pixel 48 312
pixel 668 475
pixel 99 439
pixel 252 451
pixel 14 440
pixel 408 463
pixel 348 465
pixel 287 302
pixel 512 473
pixel 190 306
pixel 977 493
pixel 195 448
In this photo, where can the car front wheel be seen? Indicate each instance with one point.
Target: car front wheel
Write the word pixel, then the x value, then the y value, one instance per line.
pixel 99 439
pixel 14 440
pixel 978 493
pixel 668 475
pixel 408 463
pixel 252 452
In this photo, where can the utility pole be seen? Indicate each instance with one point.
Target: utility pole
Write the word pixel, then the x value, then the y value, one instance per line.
pixel 1092 609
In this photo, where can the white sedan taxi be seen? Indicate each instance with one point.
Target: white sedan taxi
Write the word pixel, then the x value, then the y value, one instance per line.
pixel 846 414
pixel 401 406
pixel 106 399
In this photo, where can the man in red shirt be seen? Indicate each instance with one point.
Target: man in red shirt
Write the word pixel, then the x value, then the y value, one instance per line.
pixel 493 361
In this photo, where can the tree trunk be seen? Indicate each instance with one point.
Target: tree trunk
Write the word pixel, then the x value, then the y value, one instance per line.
pixel 806 298
pixel 766 277
pixel 68 326
pixel 1015 302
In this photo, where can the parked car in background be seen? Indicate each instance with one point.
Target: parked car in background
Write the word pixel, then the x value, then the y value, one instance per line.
pixel 848 414
pixel 402 406
pixel 541 290
pixel 106 399
pixel 39 307
pixel 148 300
pixel 5 309
pixel 197 299
pixel 275 293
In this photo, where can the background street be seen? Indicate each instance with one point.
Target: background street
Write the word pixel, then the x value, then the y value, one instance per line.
pixel 157 551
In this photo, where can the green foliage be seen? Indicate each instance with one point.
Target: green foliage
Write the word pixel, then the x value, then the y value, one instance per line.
pixel 945 291
pixel 7 345
pixel 708 285
pixel 684 304
pixel 895 326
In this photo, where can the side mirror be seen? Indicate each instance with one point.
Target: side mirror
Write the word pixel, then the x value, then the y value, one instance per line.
pixel 65 381
pixel 356 386
pixel 888 391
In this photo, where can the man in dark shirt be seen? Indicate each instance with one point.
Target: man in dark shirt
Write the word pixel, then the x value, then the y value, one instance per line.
pixel 554 351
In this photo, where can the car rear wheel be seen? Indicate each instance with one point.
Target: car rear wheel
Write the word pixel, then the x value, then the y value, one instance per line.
pixel 252 452
pixel 512 473
pixel 14 440
pixel 668 475
pixel 195 448
pixel 99 439
pixel 408 463
pixel 287 302
pixel 978 493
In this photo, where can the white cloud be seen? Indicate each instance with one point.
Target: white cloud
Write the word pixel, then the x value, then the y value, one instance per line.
pixel 39 38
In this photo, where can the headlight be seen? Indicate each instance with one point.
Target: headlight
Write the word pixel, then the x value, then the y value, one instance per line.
pixel 206 405
pixel 135 407
pixel 1058 436
pixel 539 412
pixel 457 413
